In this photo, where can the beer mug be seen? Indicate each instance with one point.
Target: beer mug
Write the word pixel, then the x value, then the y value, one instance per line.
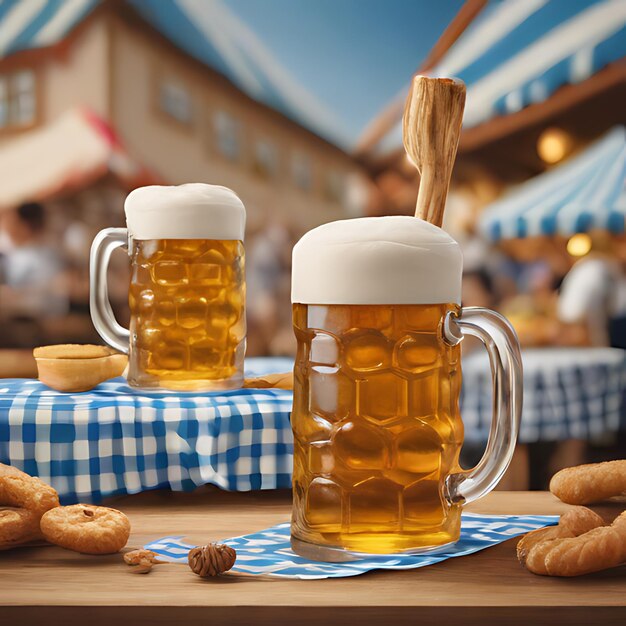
pixel 187 287
pixel 377 378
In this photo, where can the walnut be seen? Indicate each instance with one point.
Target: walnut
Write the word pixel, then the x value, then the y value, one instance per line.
pixel 212 559
pixel 141 560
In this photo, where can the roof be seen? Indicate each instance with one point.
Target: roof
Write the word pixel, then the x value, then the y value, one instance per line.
pixel 586 192
pixel 207 31
pixel 27 24
pixel 68 154
pixel 516 53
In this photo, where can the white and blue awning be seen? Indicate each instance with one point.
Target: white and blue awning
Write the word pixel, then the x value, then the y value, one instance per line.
pixel 587 192
pixel 27 24
pixel 516 53
pixel 205 29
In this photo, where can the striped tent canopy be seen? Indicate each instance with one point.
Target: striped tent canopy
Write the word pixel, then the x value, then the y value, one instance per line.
pixel 207 30
pixel 516 53
pixel 585 193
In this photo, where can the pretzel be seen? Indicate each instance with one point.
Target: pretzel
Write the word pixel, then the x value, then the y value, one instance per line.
pixel 595 550
pixel 18 489
pixel 17 527
pixel 590 483
pixel 23 500
pixel 27 492
pixel 575 522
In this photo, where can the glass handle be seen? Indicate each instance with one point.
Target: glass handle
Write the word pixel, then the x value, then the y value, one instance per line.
pixel 102 315
pixel 505 359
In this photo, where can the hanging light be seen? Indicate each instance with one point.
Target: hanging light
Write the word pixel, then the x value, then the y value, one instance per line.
pixel 579 244
pixel 553 145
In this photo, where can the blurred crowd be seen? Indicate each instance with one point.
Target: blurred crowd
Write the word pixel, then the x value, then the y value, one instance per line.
pixel 44 280
pixel 550 297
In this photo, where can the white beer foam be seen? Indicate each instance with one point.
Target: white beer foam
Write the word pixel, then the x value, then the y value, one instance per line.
pixel 377 260
pixel 190 211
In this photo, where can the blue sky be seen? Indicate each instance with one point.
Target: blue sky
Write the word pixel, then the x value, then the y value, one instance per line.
pixel 353 55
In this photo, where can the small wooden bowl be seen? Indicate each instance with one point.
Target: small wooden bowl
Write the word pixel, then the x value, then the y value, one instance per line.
pixel 75 368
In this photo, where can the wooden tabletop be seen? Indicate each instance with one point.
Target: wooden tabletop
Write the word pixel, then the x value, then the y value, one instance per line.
pixel 60 587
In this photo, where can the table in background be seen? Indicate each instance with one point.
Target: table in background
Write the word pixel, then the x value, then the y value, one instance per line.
pixel 486 587
pixel 571 396
pixel 569 393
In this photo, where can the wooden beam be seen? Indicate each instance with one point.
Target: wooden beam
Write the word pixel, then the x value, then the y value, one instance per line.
pixel 385 120
pixel 465 16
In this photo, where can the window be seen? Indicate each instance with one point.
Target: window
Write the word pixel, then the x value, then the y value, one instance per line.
pixel 334 188
pixel 301 171
pixel 4 102
pixel 174 99
pixel 17 99
pixel 227 135
pixel 23 98
pixel 265 158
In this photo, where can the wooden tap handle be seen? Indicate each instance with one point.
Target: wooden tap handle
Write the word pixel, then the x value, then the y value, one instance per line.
pixel 431 127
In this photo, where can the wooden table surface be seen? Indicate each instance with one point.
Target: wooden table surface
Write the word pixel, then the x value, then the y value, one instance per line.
pixel 51 586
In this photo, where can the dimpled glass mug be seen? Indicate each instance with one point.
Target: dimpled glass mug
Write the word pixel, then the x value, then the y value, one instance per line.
pixel 187 288
pixel 376 423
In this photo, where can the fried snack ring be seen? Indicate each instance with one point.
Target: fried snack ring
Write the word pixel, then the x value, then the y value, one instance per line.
pixel 20 490
pixel 9 470
pixel 17 526
pixel 574 522
pixel 590 483
pixel 86 528
pixel 595 550
pixel 27 493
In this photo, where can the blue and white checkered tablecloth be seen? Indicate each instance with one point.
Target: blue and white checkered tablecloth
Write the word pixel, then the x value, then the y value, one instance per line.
pixel 116 440
pixel 569 393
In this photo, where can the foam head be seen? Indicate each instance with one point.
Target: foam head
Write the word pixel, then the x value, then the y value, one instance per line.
pixel 191 211
pixel 377 260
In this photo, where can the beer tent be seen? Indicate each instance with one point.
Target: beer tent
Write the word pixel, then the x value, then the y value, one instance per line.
pixel 586 192
pixel 513 55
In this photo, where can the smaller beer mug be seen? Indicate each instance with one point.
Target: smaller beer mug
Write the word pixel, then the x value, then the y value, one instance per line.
pixel 187 287
pixel 377 429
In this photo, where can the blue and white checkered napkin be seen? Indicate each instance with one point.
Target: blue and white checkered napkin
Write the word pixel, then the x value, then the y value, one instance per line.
pixel 269 553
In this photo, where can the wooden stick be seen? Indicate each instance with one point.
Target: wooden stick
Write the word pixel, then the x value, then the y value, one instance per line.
pixel 431 127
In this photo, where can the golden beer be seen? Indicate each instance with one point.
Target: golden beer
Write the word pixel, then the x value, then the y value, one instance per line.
pixel 376 427
pixel 188 322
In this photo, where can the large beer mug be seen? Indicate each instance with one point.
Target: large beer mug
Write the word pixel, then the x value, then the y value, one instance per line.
pixel 376 423
pixel 187 287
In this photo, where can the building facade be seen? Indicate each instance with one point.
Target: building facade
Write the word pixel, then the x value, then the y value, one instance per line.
pixel 180 118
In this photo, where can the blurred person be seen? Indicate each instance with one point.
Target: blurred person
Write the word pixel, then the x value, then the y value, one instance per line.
pixel 31 275
pixel 592 301
pixel 477 289
pixel 532 312
pixel 266 268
